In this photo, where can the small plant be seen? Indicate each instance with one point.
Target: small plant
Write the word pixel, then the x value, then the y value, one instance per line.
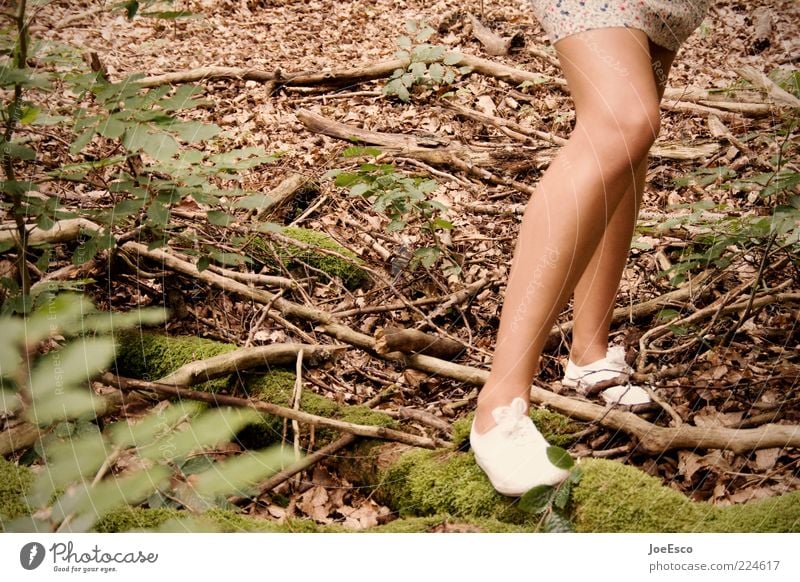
pixel 429 65
pixel 403 198
pixel 551 502
pixel 89 471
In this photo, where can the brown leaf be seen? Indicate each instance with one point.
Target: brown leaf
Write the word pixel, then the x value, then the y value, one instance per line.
pixel 766 458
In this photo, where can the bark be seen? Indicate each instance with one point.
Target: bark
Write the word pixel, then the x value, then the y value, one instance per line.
pixel 410 341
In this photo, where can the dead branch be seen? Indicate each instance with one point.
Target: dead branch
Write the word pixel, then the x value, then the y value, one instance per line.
pixel 410 341
pixel 242 359
pixel 652 439
pixel 779 96
pixel 207 74
pixel 421 416
pixel 494 44
pixel 762 30
pixel 377 432
pixel 25 434
pixel 283 193
pixel 61 231
pixel 690 291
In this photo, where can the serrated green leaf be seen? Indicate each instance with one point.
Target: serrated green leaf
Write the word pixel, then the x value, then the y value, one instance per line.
pixel 254 202
pixel 194 131
pixel 443 224
pixel 135 137
pixel 160 146
pixel 239 475
pixel 158 213
pixel 436 72
pixel 561 498
pixel 203 263
pixel 69 367
pixel 560 458
pixel 424 34
pixel 210 429
pixel 67 462
pixel 84 252
pixel 219 218
pixel 29 115
pixel 537 499
pixel 153 427
pixel 111 128
pixel 554 522
pixel 17 151
pixel 359 189
pixel 452 58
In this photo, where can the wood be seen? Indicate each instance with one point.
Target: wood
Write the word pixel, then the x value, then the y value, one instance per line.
pixel 410 341
pixel 195 373
pixel 24 435
pixel 378 432
pixel 762 30
pixel 779 96
pixel 61 231
pixel 283 193
pixel 494 44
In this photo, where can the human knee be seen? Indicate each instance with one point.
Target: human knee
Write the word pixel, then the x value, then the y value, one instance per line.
pixel 630 127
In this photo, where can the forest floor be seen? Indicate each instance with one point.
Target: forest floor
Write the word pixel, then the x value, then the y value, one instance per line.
pixel 711 366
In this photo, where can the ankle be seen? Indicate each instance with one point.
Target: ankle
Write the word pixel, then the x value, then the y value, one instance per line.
pixel 583 355
pixel 489 400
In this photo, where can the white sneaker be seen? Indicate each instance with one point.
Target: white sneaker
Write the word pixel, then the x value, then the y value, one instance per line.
pixel 513 454
pixel 609 368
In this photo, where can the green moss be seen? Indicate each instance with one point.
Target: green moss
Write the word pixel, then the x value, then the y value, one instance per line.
pixel 130 518
pixel 423 482
pixel 613 497
pixel 447 523
pixel 347 270
pixel 151 356
pixel 214 520
pixel 610 497
pixel 277 387
pixel 15 482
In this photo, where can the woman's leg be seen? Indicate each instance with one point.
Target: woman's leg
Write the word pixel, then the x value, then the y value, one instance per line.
pixel 610 77
pixel 596 291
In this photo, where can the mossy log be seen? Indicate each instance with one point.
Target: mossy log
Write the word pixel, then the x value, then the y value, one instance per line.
pixel 152 355
pixel 611 497
pixel 308 247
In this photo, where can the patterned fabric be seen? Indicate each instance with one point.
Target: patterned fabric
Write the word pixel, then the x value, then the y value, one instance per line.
pixel 667 23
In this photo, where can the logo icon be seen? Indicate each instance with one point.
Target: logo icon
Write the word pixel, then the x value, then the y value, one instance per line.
pixel 31 555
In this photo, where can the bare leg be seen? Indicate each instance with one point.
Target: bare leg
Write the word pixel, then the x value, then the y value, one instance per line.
pixel 596 291
pixel 616 99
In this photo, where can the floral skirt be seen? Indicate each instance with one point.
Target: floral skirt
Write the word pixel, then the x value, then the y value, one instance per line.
pixel 667 23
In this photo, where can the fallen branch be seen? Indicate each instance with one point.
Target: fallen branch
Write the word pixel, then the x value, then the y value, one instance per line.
pixel 691 291
pixel 652 438
pixel 376 432
pixel 61 231
pixel 25 434
pixel 410 341
pixel 494 44
pixel 242 359
pixel 780 97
